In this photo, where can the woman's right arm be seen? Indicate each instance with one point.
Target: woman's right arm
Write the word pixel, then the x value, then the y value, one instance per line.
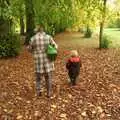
pixel 30 47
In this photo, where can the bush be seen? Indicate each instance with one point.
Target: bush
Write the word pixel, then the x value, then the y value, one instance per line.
pixel 4 26
pixel 88 33
pixel 9 45
pixel 81 30
pixel 105 43
pixel 114 24
pixel 118 23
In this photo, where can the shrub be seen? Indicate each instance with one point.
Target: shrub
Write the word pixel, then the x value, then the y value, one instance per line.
pixel 81 30
pixel 111 25
pixel 88 33
pixel 9 45
pixel 114 24
pixel 118 23
pixel 4 26
pixel 105 43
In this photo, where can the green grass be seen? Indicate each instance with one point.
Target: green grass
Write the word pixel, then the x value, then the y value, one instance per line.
pixel 114 35
pixel 77 39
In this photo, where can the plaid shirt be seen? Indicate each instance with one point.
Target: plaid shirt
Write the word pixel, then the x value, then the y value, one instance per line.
pixel 38 44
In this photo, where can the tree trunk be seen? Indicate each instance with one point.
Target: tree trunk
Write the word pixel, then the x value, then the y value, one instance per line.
pixel 29 20
pixel 22 27
pixel 101 34
pixel 102 24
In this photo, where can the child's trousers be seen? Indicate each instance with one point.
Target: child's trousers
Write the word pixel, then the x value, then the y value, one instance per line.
pixel 73 80
pixel 48 79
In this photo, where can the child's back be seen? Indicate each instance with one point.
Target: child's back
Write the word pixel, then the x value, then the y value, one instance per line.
pixel 73 66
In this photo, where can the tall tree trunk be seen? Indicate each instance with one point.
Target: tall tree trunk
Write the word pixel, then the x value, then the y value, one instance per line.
pixel 22 27
pixel 102 24
pixel 101 34
pixel 29 20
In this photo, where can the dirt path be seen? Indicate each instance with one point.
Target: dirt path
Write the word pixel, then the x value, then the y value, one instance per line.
pixel 96 96
pixel 77 39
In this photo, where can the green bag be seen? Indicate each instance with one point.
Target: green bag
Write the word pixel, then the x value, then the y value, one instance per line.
pixel 51 52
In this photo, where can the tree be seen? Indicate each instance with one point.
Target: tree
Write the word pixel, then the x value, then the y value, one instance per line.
pixel 90 7
pixel 88 13
pixel 117 11
pixel 55 15
pixel 30 23
pixel 3 6
pixel 5 20
pixel 18 13
pixel 102 23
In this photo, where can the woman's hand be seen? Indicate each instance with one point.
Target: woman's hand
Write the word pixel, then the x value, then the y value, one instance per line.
pixel 29 48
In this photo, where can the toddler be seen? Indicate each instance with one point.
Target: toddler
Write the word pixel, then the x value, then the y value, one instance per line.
pixel 73 66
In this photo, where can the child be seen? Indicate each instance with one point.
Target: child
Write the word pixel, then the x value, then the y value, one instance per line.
pixel 73 66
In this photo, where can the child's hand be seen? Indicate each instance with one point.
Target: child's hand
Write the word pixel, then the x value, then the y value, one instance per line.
pixel 66 53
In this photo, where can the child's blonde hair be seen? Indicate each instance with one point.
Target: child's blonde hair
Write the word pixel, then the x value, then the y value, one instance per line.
pixel 73 53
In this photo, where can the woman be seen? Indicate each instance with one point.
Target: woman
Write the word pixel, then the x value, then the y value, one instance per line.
pixel 43 66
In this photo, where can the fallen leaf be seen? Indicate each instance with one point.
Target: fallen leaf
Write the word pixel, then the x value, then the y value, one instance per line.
pixel 53 106
pixel 84 114
pixel 19 117
pixel 63 115
pixel 36 113
pixel 99 108
pixel 70 96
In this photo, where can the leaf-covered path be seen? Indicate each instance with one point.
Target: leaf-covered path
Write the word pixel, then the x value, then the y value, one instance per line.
pixel 96 96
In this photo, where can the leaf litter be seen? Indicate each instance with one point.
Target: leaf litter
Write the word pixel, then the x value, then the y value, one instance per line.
pixel 95 97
